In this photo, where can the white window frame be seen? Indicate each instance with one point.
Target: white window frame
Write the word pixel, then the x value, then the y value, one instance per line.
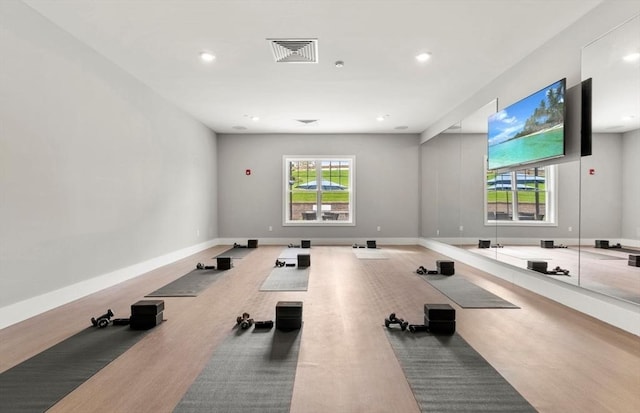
pixel 551 209
pixel 351 217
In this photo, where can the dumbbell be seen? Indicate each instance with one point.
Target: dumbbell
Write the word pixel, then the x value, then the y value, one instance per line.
pixel 392 319
pixel 201 266
pixel 280 263
pixel 103 320
pixel 244 321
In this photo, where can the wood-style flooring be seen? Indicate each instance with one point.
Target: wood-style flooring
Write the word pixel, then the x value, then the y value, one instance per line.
pixel 558 359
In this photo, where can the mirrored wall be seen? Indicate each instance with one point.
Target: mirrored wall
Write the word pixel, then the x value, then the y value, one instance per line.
pixel 576 218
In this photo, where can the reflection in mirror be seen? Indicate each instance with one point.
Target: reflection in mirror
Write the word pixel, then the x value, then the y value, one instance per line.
pixel 453 165
pixel 610 188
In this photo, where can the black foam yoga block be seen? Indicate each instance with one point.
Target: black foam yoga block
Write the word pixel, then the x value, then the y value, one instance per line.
pixel 601 243
pixel 440 327
pixel 288 315
pixel 372 244
pixel 439 312
pixel 145 321
pixel 252 243
pixel 445 264
pixel 288 323
pixel 147 307
pixel 540 266
pixel 546 243
pixel 289 309
pixel 484 243
pixel 305 243
pixel 304 260
pixel 224 263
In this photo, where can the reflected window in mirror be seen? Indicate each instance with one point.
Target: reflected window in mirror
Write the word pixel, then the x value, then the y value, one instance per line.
pixel 521 197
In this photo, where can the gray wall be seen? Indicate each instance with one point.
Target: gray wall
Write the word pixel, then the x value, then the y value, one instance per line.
pixel 631 186
pixel 601 194
pixel 453 179
pixel 97 172
pixel 386 184
pixel 559 58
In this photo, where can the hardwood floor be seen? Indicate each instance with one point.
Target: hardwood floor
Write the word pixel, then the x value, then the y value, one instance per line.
pixel 558 359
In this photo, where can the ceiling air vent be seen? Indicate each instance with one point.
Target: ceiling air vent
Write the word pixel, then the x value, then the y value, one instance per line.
pixel 294 50
pixel 307 121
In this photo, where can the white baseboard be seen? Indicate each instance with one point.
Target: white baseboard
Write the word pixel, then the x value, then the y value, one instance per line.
pixel 323 241
pixel 30 307
pixel 619 313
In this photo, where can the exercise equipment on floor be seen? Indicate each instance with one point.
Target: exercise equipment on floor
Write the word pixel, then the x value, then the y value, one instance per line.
pixel 288 315
pixel 245 321
pixel 422 271
pixel 541 267
pixel 146 314
pixel 103 320
pixel 393 319
pixel 201 266
pixel 440 318
pixel 445 267
pixel 224 263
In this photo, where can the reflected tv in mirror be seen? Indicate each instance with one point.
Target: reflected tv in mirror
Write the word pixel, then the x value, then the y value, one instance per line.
pixel 528 131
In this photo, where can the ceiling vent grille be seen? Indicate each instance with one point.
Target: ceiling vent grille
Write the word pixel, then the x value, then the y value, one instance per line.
pixel 294 50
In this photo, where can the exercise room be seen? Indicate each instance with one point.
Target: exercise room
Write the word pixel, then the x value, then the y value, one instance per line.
pixel 313 206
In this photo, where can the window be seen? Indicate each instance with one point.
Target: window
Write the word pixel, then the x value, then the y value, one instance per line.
pixel 319 190
pixel 521 197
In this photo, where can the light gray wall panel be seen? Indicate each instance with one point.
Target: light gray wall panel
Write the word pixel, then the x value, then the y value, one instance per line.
pixel 97 172
pixel 602 193
pixel 386 184
pixel 630 179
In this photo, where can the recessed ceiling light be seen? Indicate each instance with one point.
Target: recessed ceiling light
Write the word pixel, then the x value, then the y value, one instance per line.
pixel 255 118
pixel 423 57
pixel 380 118
pixel 207 57
pixel 628 117
pixel 631 57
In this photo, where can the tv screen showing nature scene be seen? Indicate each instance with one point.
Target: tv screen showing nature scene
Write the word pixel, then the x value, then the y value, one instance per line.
pixel 529 130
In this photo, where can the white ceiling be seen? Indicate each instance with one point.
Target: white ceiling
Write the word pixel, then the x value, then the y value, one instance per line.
pixel 158 41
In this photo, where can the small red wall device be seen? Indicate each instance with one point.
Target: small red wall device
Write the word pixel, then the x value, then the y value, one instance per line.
pixel 247 172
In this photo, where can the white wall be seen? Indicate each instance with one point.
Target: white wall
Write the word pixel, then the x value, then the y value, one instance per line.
pixel 602 194
pixel 630 188
pixel 97 172
pixel 386 185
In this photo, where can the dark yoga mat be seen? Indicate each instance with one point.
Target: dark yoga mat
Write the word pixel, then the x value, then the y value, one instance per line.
pixel 41 381
pixel 235 252
pixel 251 371
pixel 189 285
pixel 465 293
pixel 447 375
pixel 287 279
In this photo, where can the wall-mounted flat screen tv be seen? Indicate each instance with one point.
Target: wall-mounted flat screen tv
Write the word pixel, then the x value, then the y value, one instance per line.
pixel 528 131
